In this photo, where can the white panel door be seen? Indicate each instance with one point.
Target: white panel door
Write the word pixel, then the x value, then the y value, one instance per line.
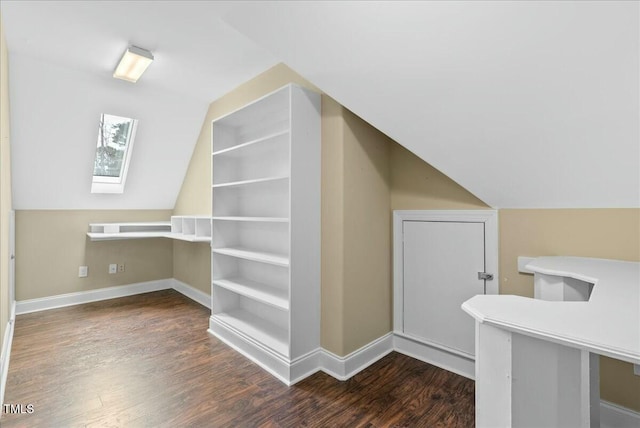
pixel 441 265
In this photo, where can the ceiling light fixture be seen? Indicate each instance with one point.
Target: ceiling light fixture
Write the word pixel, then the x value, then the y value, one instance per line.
pixel 133 63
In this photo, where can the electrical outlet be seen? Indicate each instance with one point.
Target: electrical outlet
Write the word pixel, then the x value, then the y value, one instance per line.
pixel 83 271
pixel 113 268
pixel 121 267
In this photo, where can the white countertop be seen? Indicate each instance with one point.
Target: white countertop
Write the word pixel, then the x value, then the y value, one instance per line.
pixel 607 324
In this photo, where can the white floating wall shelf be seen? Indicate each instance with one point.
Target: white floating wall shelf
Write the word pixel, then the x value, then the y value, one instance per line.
pixel 184 228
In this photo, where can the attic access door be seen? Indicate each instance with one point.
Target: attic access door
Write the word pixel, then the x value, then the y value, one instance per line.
pixel 443 261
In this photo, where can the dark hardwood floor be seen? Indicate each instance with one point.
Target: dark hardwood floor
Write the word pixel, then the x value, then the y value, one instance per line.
pixel 148 361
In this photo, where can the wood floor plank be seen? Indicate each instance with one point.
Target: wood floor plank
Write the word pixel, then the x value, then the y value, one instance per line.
pixel 147 361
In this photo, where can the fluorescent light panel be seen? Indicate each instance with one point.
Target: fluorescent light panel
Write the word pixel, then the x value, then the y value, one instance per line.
pixel 133 63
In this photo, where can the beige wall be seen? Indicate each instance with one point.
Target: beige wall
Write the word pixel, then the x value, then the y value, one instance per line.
pixel 416 185
pixel 332 226
pixel 5 185
pixel 367 234
pixel 601 233
pixel 365 175
pixel 51 245
pixel 192 264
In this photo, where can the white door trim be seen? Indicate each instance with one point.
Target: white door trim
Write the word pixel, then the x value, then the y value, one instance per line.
pixel 488 217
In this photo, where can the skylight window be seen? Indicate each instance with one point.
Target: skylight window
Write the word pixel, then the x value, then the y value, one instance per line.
pixel 113 152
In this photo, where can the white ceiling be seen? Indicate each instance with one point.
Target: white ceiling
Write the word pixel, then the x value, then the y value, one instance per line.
pixel 61 58
pixel 525 104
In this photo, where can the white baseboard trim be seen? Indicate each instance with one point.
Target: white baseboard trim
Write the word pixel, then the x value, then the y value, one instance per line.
pixel 193 293
pixel 80 297
pixel 5 354
pixel 290 372
pixel 305 366
pixel 271 362
pixel 438 357
pixel 70 299
pixel 612 415
pixel 342 368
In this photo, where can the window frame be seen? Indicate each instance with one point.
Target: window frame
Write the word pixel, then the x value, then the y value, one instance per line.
pixel 105 184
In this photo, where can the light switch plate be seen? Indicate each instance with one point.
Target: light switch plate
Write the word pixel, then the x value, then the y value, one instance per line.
pixel 83 271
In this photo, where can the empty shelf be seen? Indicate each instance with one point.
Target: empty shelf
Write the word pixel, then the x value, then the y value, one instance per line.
pixel 255 290
pixel 250 143
pixel 246 182
pixel 262 219
pixel 258 256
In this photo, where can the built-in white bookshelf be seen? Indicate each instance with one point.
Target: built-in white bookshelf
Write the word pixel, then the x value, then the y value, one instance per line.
pixel 266 230
pixel 185 228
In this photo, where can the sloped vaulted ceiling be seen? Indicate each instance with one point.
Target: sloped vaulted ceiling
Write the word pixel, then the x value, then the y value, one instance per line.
pixel 525 104
pixel 61 58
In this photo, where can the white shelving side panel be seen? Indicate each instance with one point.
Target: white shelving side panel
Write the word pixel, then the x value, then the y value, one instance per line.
pixel 304 213
pixel 256 328
pixel 256 256
pixel 176 224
